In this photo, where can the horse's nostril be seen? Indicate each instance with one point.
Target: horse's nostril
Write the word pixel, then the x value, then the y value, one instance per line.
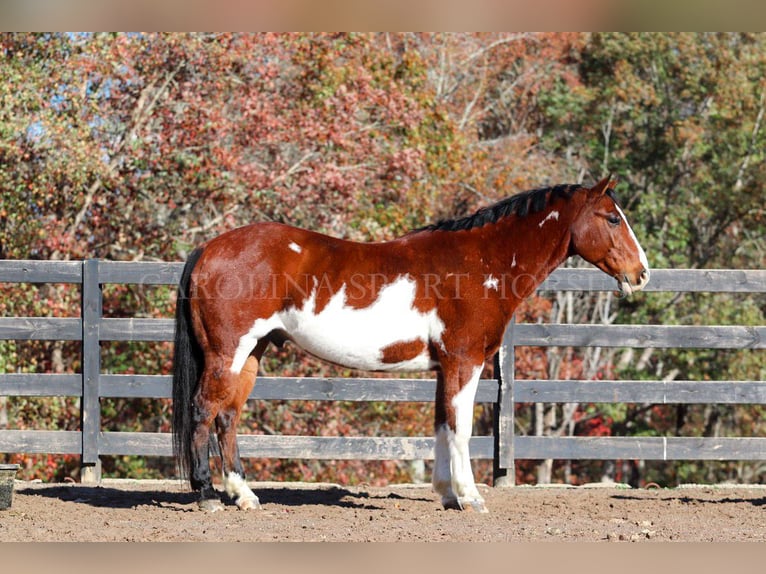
pixel 644 275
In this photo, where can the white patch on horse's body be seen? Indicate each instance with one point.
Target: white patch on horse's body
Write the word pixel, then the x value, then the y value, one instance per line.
pixel 295 247
pixel 237 488
pixel 452 474
pixel 513 263
pixel 552 215
pixel 353 337
pixel 249 340
pixel 491 282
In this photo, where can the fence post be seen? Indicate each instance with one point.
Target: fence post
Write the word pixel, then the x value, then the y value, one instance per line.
pixel 90 407
pixel 504 467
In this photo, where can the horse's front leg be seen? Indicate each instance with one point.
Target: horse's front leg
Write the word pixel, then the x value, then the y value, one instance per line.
pixel 452 475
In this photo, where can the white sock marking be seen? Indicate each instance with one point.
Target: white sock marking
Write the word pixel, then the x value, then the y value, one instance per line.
pixel 442 474
pixel 237 488
pixel 460 460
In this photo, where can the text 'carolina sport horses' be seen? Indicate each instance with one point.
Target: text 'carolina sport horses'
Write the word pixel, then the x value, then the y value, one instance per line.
pixel 438 298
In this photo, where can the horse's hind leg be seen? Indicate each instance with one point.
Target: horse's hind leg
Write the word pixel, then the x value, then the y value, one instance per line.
pixel 226 423
pixel 204 411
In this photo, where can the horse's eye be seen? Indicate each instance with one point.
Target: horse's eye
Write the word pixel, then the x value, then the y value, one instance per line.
pixel 614 220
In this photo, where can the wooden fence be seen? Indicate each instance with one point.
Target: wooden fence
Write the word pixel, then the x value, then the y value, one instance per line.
pixel 91 328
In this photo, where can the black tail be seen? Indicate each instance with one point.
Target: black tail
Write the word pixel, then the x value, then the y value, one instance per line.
pixel 187 367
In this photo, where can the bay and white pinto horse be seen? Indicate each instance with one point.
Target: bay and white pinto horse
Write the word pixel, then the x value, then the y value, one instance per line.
pixel 438 298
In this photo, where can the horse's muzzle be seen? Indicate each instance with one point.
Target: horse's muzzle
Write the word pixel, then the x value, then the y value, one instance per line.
pixel 628 287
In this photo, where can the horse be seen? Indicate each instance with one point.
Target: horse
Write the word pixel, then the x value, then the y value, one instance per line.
pixel 438 298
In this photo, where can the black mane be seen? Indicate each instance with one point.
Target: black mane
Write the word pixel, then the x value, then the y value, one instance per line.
pixel 532 201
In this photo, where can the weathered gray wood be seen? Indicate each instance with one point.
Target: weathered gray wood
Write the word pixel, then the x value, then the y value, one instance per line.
pixel 289 446
pixel 40 328
pixel 361 389
pixel 32 271
pixel 672 280
pixel 161 273
pixel 40 385
pixel 91 368
pixel 301 388
pixel 662 392
pixel 643 448
pixel 140 272
pixel 131 386
pixel 641 336
pixel 504 463
pixel 538 334
pixel 40 442
pixel 133 329
pixel 715 448
pixel 708 280
pixel 594 448
pixel 422 390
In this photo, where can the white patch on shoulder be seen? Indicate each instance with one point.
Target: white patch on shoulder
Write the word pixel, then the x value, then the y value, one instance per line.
pixel 295 247
pixel 491 282
pixel 552 215
pixel 352 337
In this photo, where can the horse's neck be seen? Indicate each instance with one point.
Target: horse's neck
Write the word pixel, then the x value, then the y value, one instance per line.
pixel 522 246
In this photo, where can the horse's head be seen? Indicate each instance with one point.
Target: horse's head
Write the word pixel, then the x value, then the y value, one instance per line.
pixel 602 236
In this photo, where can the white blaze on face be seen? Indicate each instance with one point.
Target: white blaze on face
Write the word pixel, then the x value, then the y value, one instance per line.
pixel 353 337
pixel 554 215
pixel 627 287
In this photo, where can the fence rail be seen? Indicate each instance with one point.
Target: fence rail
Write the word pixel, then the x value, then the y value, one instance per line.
pixel 503 392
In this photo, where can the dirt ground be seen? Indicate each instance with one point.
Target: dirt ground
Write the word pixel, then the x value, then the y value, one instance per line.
pixel 120 510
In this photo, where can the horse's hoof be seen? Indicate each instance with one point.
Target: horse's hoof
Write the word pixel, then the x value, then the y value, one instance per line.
pixel 210 505
pixel 474 506
pixel 467 504
pixel 249 504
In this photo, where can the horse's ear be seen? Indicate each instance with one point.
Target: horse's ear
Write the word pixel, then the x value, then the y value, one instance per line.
pixel 604 185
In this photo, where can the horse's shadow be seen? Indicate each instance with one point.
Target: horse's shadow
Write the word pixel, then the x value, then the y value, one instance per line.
pixel 110 497
pixel 695 500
